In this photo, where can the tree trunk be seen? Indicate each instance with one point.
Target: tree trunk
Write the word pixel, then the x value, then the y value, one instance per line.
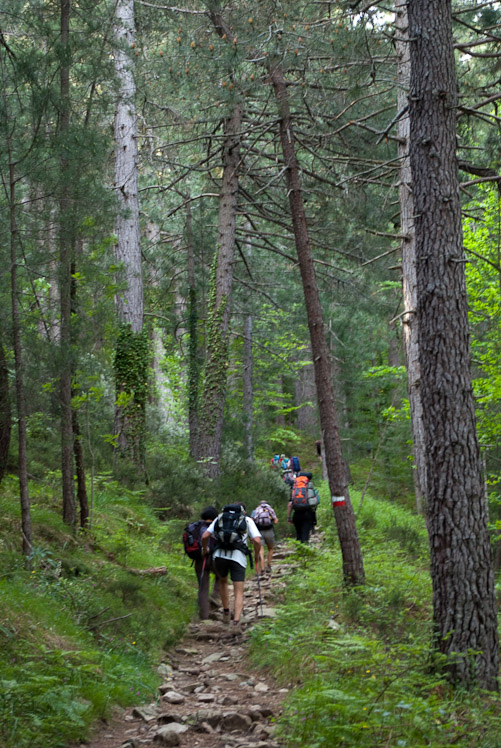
pixel 248 364
pixel 65 265
pixel 306 416
pixel 409 318
pixel 218 317
pixel 193 358
pixel 131 380
pixel 83 501
pixel 464 603
pixel 353 570
pixel 26 528
pixel 5 413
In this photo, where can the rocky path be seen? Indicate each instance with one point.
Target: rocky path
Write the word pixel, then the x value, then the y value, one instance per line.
pixel 210 696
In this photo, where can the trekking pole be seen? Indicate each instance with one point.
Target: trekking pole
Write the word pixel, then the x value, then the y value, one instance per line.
pixel 259 590
pixel 202 574
pixel 203 569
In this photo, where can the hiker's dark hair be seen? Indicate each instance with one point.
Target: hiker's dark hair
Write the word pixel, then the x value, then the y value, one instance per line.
pixel 210 512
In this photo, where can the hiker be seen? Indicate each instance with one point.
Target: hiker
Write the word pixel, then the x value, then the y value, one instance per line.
pixel 204 564
pixel 301 513
pixel 231 529
pixel 265 517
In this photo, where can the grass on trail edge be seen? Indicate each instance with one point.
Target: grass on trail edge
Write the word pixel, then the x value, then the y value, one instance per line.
pixel 79 632
pixel 358 662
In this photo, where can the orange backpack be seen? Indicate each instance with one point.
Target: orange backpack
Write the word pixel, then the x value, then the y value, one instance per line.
pixel 304 495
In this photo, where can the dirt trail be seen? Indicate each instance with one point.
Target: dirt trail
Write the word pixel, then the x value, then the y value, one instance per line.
pixel 210 696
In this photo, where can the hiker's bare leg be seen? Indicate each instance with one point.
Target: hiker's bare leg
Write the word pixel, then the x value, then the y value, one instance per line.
pixel 270 555
pixel 225 592
pixel 238 591
pixel 261 559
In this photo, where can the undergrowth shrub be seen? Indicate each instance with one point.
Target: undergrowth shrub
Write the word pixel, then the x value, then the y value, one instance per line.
pixel 80 628
pixel 359 661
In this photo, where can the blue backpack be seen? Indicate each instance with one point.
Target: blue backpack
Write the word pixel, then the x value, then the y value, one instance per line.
pixel 295 464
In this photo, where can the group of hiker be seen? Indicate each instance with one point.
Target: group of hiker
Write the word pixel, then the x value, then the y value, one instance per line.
pixel 219 542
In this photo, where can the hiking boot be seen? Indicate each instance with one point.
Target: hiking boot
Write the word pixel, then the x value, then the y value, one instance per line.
pixel 226 616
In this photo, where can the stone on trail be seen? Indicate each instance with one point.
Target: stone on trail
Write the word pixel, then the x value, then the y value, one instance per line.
pixel 170 734
pixel 215 657
pixel 212 716
pixel 261 687
pixel 165 670
pixel 166 718
pixel 173 697
pixel 186 651
pixel 229 700
pixel 236 721
pixel 206 697
pixel 146 713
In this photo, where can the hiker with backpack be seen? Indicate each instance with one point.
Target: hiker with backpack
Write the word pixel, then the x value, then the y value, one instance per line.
pixel 192 540
pixel 302 505
pixel 231 530
pixel 265 517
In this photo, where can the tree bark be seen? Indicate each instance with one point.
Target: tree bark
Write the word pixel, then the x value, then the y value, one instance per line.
pixel 248 365
pixel 193 357
pixel 129 300
pixel 65 265
pixel 218 317
pixel 409 318
pixel 353 570
pixel 131 388
pixel 5 413
pixel 464 603
pixel 305 392
pixel 83 501
pixel 26 527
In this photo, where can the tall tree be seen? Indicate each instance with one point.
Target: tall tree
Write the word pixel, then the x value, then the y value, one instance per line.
pixel 353 570
pixel 464 603
pixel 10 181
pixel 193 365
pixel 66 239
pixel 409 316
pixel 5 412
pixel 219 303
pixel 247 366
pixel 131 348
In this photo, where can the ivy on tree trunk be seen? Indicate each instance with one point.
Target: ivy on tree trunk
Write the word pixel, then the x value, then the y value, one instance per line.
pixel 218 317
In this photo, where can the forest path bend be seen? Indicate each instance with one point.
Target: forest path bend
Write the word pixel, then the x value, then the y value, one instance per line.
pixel 210 696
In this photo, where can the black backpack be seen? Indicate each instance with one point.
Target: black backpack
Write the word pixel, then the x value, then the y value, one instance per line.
pixel 192 539
pixel 231 528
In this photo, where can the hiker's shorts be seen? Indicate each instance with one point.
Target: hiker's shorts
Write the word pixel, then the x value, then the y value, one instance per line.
pixel 268 536
pixel 226 565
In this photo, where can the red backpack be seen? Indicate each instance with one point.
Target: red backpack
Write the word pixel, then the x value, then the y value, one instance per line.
pixel 303 495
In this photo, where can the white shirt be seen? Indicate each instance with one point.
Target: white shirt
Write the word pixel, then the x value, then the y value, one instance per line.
pixel 236 555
